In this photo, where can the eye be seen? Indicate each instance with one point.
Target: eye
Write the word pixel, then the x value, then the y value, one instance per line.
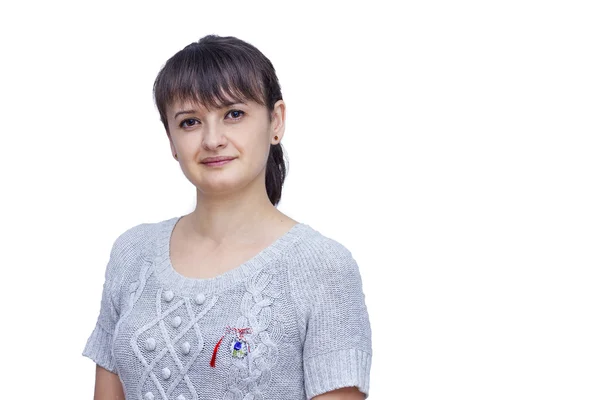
pixel 188 122
pixel 236 114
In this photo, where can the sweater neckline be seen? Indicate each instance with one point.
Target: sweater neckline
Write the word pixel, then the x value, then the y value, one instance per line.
pixel 173 280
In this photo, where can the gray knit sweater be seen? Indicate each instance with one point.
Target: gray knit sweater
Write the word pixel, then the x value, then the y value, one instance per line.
pixel 290 323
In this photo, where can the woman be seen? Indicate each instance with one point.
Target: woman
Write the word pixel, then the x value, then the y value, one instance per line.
pixel 235 300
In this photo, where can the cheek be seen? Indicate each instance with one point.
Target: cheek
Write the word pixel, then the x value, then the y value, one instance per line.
pixel 260 151
pixel 256 146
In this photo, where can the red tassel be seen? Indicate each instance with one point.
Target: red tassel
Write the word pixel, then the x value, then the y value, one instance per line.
pixel 213 360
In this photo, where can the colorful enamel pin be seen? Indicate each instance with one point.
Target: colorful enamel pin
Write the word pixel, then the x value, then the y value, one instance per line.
pixel 239 345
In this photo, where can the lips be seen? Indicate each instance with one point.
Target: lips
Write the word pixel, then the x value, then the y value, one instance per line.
pixel 216 159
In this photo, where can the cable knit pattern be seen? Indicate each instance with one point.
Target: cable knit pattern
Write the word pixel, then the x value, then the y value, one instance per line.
pixel 253 375
pixel 298 302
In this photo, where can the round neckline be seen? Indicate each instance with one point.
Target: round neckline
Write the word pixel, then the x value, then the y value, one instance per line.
pixel 173 280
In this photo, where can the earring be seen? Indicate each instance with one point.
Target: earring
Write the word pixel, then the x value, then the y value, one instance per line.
pixel 176 157
pixel 276 138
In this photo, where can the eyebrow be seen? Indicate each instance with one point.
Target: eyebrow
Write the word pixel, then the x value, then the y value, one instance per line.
pixel 226 104
pixel 178 113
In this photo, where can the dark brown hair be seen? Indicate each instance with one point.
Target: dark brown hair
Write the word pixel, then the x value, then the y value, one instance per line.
pixel 218 70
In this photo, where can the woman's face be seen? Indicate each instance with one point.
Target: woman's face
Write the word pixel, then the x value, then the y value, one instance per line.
pixel 240 130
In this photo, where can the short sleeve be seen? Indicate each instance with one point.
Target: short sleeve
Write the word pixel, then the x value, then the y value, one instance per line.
pixel 337 343
pixel 99 344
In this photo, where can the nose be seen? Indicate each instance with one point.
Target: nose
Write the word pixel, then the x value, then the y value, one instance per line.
pixel 214 136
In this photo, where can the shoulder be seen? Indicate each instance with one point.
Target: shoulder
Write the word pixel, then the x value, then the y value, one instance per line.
pixel 316 250
pixel 320 260
pixel 132 239
pixel 135 243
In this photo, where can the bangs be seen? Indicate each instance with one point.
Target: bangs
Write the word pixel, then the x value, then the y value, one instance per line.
pixel 211 77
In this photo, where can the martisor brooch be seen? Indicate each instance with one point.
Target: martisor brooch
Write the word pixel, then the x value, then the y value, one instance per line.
pixel 239 346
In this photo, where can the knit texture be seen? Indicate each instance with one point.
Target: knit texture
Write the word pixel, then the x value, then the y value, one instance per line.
pixel 290 323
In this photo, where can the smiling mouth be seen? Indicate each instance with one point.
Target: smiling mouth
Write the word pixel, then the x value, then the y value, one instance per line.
pixel 218 163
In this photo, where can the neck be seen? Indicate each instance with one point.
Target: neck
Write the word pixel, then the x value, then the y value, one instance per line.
pixel 232 217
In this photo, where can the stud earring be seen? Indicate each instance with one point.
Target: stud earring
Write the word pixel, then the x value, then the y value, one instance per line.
pixel 276 138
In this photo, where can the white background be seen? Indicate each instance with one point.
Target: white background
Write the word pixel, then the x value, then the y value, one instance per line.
pixel 452 146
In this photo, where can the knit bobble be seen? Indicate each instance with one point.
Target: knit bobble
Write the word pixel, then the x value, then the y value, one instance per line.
pixel 168 295
pixel 200 298
pixel 176 322
pixel 150 345
pixel 149 396
pixel 185 348
pixel 166 373
pixel 181 397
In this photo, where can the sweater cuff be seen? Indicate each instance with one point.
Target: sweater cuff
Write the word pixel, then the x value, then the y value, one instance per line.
pixel 335 370
pixel 98 349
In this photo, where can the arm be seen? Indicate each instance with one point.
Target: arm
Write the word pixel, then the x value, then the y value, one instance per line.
pixel 108 386
pixel 333 322
pixel 99 344
pixel 347 393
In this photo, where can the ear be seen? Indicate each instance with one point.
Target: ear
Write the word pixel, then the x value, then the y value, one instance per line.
pixel 277 122
pixel 173 150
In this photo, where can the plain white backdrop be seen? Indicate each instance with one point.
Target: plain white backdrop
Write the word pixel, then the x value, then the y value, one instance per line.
pixel 453 147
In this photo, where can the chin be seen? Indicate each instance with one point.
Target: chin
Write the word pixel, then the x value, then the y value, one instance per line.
pixel 220 184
